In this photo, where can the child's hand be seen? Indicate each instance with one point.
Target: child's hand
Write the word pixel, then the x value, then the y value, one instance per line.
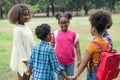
pixel 29 71
pixel 26 63
pixel 69 79
pixel 72 78
pixel 79 62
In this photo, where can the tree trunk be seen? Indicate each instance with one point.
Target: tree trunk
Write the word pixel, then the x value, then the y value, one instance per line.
pixel 63 10
pixel 47 12
pixel 1 12
pixel 77 14
pixel 112 6
pixel 53 9
pixel 86 9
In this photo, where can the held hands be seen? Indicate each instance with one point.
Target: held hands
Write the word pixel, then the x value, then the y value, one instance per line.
pixel 26 63
pixel 72 78
pixel 68 78
pixel 29 71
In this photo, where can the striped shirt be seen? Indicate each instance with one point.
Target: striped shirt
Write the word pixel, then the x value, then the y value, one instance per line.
pixel 43 62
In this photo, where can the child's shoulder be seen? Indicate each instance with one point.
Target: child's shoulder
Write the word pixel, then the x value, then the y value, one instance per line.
pixel 72 31
pixel 91 48
pixel 90 45
pixel 45 45
pixel 50 47
pixel 36 46
pixel 18 29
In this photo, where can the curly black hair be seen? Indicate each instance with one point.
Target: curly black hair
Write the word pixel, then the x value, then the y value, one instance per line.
pixel 16 12
pixel 101 20
pixel 66 15
pixel 42 31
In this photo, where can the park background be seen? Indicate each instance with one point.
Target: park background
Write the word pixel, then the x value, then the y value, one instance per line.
pixel 43 11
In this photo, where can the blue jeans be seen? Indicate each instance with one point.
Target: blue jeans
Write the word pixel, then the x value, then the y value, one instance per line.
pixel 69 69
pixel 91 74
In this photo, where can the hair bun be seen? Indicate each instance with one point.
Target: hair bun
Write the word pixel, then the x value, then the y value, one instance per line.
pixel 69 15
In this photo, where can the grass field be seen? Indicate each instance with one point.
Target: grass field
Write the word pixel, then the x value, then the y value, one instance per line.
pixel 79 24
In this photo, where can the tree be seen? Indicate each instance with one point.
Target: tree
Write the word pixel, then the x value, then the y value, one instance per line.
pixel 87 4
pixel 51 6
pixel 111 5
pixel 33 8
pixel 5 5
pixel 117 5
pixel 100 4
pixel 1 11
pixel 75 5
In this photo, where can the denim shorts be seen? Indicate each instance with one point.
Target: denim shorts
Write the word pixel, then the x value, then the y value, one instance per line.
pixel 91 74
pixel 69 69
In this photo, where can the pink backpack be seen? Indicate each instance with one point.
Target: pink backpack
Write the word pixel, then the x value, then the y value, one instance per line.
pixel 109 66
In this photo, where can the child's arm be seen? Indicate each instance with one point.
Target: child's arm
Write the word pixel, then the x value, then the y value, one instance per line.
pixel 78 53
pixel 64 75
pixel 28 72
pixel 82 65
pixel 56 66
pixel 53 41
pixel 30 62
pixel 26 63
pixel 29 66
pixel 52 44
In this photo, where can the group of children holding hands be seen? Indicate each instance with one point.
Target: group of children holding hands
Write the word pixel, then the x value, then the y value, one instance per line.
pixel 43 60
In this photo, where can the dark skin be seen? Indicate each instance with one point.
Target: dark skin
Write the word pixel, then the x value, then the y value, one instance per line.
pixel 87 56
pixel 22 19
pixel 48 39
pixel 64 24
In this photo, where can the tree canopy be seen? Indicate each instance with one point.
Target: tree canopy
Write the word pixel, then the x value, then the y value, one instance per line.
pixel 53 6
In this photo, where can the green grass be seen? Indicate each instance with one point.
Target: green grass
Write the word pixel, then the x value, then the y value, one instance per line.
pixel 79 24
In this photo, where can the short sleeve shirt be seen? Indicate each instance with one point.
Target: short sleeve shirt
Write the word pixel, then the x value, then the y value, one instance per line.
pixel 64 46
pixel 94 51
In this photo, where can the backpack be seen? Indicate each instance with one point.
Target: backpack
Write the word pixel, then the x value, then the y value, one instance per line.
pixel 109 65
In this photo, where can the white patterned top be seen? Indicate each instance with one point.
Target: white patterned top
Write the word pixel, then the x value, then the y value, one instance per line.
pixel 23 43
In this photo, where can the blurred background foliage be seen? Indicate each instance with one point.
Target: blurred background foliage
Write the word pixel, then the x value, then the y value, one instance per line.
pixel 51 7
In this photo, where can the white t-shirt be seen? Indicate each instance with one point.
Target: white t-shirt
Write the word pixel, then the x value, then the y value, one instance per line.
pixel 23 43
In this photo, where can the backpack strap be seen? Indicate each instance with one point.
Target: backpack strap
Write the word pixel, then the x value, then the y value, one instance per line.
pixel 101 48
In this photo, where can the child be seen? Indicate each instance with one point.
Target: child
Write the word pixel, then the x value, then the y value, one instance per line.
pixel 106 34
pixel 43 61
pixel 22 39
pixel 99 21
pixel 64 41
